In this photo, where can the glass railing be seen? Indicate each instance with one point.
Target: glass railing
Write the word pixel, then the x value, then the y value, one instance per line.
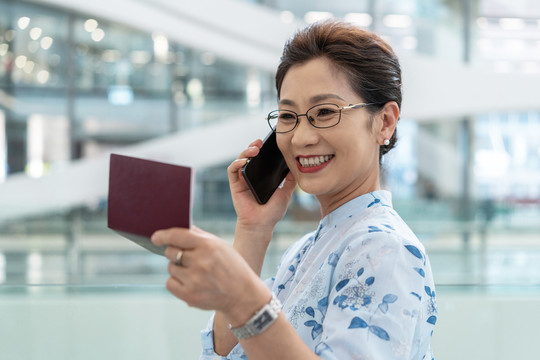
pixel 72 288
pixel 142 321
pixel 78 248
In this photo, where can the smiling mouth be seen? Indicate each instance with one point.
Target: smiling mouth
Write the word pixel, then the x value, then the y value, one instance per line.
pixel 313 161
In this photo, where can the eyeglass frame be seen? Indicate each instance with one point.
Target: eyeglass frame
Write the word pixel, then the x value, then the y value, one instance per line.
pixel 350 106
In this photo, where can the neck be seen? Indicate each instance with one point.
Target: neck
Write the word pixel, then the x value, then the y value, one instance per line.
pixel 330 202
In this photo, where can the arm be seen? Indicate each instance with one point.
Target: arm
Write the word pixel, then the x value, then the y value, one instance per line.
pixel 224 340
pixel 254 230
pixel 213 275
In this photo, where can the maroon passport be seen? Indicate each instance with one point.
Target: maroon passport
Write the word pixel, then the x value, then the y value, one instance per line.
pixel 145 196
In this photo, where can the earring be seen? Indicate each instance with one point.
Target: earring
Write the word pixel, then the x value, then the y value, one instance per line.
pixel 386 142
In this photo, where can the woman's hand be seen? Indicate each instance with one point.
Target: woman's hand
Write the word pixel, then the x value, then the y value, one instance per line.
pixel 211 274
pixel 249 212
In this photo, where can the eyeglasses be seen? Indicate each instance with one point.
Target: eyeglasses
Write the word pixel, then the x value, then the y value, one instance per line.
pixel 320 116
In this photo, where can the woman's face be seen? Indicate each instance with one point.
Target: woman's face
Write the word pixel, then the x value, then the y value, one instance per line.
pixel 345 158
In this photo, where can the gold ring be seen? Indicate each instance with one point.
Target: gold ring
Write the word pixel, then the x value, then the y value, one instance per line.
pixel 178 260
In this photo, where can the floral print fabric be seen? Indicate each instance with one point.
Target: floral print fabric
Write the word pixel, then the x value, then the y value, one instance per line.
pixel 359 287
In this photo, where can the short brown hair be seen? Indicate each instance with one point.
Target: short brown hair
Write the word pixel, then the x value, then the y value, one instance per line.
pixel 370 63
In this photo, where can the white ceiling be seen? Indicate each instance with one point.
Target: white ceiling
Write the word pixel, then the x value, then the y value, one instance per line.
pixel 253 36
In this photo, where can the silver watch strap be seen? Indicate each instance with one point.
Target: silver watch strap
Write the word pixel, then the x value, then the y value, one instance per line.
pixel 260 321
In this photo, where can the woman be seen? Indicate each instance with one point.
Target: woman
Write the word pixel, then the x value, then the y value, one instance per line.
pixel 360 286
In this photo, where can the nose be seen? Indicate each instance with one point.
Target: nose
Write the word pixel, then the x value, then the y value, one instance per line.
pixel 305 134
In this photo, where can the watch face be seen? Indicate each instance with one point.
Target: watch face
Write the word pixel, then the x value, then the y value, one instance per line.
pixel 262 320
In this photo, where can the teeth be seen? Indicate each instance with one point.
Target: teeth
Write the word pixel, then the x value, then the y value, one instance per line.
pixel 314 160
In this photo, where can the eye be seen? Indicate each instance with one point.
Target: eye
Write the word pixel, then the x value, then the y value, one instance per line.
pixel 286 116
pixel 325 112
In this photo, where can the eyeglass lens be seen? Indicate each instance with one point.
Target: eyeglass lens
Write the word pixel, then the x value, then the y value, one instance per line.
pixel 319 116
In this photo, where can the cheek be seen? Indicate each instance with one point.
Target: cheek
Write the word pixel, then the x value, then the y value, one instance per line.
pixel 283 144
pixel 356 148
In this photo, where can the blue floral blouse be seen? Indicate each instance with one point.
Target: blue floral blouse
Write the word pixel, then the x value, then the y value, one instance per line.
pixel 359 287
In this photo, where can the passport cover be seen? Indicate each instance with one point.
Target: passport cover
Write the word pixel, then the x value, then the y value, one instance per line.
pixel 145 196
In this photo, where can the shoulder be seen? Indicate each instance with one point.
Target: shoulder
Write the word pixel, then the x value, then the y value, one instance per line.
pixel 384 225
pixel 381 236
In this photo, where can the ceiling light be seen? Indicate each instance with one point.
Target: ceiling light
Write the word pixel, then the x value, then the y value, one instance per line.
pixel 90 25
pixel 195 91
pixel 23 22
pixel 29 67
pixel 195 87
pixel 46 42
pixel 253 88
pixel 3 49
pixel 20 61
pixel 512 23
pixel 482 23
pixel 35 33
pixel 161 47
pixel 359 19
pixel 43 76
pixel 35 169
pixel 397 21
pixel 313 16
pixel 98 35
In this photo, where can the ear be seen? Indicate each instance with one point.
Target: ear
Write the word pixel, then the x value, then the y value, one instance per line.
pixel 388 118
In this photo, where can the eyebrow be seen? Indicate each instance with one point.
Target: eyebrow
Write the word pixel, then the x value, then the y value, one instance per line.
pixel 313 99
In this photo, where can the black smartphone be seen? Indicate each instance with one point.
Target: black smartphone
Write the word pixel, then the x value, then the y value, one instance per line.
pixel 266 171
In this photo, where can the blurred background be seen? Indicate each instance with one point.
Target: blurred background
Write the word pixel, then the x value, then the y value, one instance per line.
pixel 190 83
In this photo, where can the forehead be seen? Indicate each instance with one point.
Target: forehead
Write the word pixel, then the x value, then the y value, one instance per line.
pixel 306 82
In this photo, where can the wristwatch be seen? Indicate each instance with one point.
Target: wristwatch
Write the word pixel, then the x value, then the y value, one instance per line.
pixel 260 321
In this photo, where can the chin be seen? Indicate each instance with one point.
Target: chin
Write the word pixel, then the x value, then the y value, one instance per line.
pixel 313 188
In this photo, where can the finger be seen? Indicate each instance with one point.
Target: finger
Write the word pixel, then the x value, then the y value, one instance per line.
pixel 249 152
pixel 171 252
pixel 180 273
pixel 257 142
pixel 177 283
pixel 197 230
pixel 180 290
pixel 252 150
pixel 178 237
pixel 234 168
pixel 236 165
pixel 175 287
